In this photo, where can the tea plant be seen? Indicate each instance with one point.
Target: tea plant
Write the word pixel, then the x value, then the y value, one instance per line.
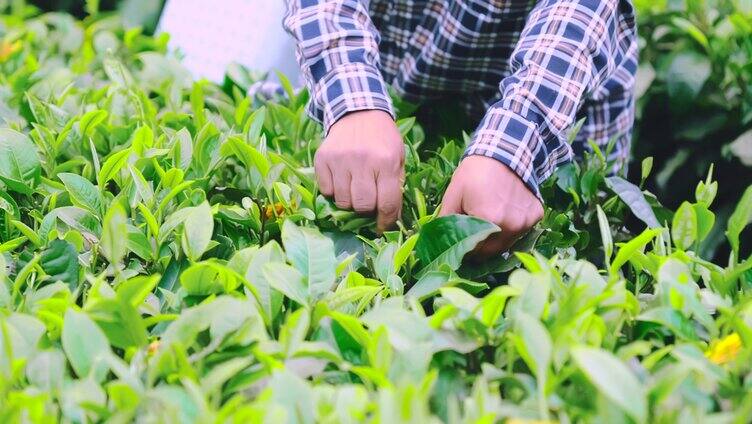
pixel 167 258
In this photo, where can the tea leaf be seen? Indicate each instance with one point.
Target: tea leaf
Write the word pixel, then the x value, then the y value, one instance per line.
pixel 446 240
pixel 198 228
pixel 60 261
pixel 112 166
pixel 635 199
pixel 626 250
pixel 288 281
pixel 20 168
pixel 739 219
pixel 313 255
pixel 209 277
pixel 614 380
pixel 82 192
pixel 114 234
pixel 85 345
pixel 684 227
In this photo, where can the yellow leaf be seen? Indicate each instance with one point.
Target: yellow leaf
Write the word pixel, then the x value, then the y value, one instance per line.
pixel 725 350
pixel 7 49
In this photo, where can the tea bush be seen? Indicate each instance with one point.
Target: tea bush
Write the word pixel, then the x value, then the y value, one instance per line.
pixel 696 104
pixel 166 257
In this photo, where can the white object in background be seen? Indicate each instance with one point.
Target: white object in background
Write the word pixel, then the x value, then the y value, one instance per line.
pixel 213 34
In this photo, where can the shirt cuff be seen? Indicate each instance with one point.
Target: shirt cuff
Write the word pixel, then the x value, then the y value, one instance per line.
pixel 348 88
pixel 516 142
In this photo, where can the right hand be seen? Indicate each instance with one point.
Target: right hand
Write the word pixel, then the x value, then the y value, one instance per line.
pixel 361 164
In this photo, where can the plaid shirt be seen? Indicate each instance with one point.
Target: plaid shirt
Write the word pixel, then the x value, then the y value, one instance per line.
pixel 534 67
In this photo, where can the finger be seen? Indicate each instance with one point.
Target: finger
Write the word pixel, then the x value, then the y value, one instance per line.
pixel 494 245
pixel 512 228
pixel 451 203
pixel 363 192
pixel 323 177
pixel 342 179
pixel 388 201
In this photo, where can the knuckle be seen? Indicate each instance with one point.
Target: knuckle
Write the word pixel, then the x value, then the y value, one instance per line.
pixel 342 204
pixel 359 155
pixel 320 159
pixel 488 214
pixel 363 207
pixel 389 208
pixel 362 204
pixel 389 158
pixel 514 226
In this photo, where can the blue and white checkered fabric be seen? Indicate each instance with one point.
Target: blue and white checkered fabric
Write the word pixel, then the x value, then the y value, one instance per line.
pixel 534 68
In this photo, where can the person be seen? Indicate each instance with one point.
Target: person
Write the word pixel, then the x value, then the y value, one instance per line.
pixel 531 70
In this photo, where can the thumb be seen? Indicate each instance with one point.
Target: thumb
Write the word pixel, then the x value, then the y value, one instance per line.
pixel 452 202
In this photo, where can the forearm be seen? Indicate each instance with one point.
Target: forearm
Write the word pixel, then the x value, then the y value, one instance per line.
pixel 567 50
pixel 337 49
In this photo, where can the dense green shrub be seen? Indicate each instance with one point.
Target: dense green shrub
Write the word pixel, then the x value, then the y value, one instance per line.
pixel 166 258
pixel 696 98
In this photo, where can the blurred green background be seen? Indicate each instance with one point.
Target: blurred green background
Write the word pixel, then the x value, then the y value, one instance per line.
pixel 143 13
pixel 694 89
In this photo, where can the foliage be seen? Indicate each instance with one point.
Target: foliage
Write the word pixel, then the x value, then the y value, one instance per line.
pixel 695 106
pixel 166 257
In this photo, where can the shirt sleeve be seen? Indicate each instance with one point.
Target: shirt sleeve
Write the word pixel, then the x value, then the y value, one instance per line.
pixel 337 49
pixel 567 50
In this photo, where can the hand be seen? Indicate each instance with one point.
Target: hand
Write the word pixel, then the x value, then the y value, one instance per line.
pixel 486 188
pixel 361 164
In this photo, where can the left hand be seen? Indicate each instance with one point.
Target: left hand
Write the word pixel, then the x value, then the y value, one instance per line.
pixel 486 188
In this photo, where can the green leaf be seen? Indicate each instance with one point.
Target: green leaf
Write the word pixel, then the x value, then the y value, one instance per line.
pixel 313 255
pixel 614 380
pixel 143 187
pixel 404 251
pixel 288 281
pixel 138 243
pixel 645 168
pixel 739 219
pixel 47 370
pixel 635 199
pixel 705 220
pixel 197 103
pixel 270 299
pixel 209 277
pixel 446 240
pixel 692 30
pixel 534 346
pixel 430 283
pixel 60 261
pixel 198 228
pixel 20 168
pixel 112 166
pixel 249 155
pixel 136 289
pixel 672 320
pixel 685 75
pixel 293 332
pixel 114 234
pixel 256 125
pixel 92 7
pixel 90 120
pixel 605 228
pixel 85 345
pixel 684 226
pixel 120 321
pixel 214 380
pixel 82 192
pixel 626 250
pixel 74 217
